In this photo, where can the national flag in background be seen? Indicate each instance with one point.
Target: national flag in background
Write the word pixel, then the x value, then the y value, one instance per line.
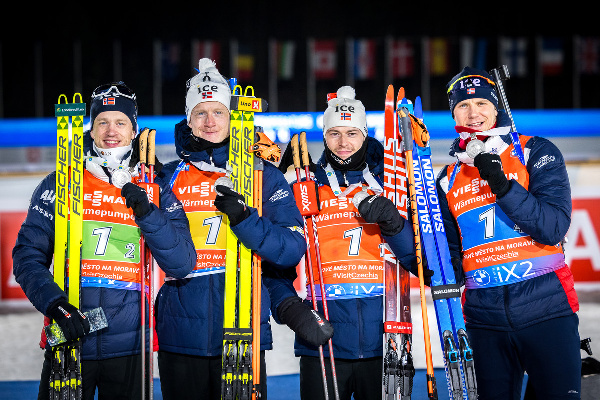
pixel 473 53
pixel 439 56
pixel 170 60
pixel 401 58
pixel 324 59
pixel 243 61
pixel 205 49
pixel 512 52
pixel 589 55
pixel 364 59
pixel 551 56
pixel 286 56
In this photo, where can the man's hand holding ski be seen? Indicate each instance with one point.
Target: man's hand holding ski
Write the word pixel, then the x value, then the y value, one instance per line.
pixel 229 202
pixel 71 320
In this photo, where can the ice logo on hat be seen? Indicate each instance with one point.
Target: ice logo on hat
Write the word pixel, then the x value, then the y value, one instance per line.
pixel 207 85
pixel 343 109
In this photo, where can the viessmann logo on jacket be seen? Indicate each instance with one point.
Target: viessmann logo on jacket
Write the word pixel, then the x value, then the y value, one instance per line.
pixel 495 250
pixel 351 260
pixel 110 252
pixel 195 190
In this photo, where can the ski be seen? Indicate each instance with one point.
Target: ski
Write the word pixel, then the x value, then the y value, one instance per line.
pixel 146 181
pixel 398 367
pixel 237 380
pixel 405 134
pixel 65 377
pixel 445 292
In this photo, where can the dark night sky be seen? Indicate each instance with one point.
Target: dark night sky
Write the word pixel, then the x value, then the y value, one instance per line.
pixel 98 24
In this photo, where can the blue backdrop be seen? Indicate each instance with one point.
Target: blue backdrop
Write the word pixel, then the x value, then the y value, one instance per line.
pixel 280 126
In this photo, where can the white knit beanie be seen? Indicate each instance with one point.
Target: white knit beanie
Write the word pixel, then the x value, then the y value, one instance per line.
pixel 208 85
pixel 345 110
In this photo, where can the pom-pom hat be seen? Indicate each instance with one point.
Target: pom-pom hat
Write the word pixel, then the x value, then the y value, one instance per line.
pixel 345 110
pixel 207 85
pixel 471 83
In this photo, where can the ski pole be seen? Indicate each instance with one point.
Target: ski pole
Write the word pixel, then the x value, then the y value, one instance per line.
pixel 151 164
pixel 306 164
pixel 307 258
pixel 500 74
pixel 143 154
pixel 256 282
pixel 407 140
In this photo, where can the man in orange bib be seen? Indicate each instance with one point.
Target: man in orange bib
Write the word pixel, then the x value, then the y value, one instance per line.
pixel 350 241
pixel 114 219
pixel 507 209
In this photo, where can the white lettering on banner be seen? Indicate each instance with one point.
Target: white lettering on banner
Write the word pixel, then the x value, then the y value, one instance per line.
pixel 582 225
pixel 204 189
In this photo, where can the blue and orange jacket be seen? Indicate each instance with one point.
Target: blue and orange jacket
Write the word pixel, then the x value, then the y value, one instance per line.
pixel 539 203
pixel 189 311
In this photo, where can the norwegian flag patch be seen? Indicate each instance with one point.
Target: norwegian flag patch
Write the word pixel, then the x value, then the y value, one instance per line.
pixel 108 101
pixel 471 91
pixel 345 116
pixel 207 95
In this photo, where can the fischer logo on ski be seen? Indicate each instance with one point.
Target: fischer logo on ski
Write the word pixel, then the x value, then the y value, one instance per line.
pixel 65 377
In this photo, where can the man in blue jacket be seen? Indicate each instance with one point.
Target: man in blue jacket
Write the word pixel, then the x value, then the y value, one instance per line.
pixel 507 209
pixel 111 360
pixel 190 308
pixel 350 240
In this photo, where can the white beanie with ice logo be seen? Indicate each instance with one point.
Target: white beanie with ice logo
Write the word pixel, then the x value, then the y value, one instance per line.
pixel 345 110
pixel 207 85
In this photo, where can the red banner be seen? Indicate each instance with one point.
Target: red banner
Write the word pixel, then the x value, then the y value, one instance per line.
pixel 10 223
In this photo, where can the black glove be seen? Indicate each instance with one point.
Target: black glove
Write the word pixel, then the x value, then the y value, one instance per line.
pixel 135 154
pixel 490 169
pixel 136 198
pixel 427 273
pixel 232 204
pixel 381 210
pixel 307 323
pixel 71 320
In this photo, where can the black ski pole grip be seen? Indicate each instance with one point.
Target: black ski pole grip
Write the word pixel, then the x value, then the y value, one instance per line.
pixel 499 74
pixel 405 129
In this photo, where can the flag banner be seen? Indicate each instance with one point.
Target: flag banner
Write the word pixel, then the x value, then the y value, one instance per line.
pixel 589 55
pixel 473 52
pixel 205 49
pixel 512 52
pixel 286 56
pixel 551 56
pixel 401 58
pixel 170 60
pixel 364 59
pixel 439 57
pixel 324 59
pixel 243 60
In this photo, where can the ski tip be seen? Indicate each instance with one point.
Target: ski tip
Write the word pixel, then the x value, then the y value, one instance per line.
pixel 418 108
pixel 401 95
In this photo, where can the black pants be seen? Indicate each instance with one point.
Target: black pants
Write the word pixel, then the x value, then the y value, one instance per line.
pixel 361 378
pixel 115 378
pixel 190 377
